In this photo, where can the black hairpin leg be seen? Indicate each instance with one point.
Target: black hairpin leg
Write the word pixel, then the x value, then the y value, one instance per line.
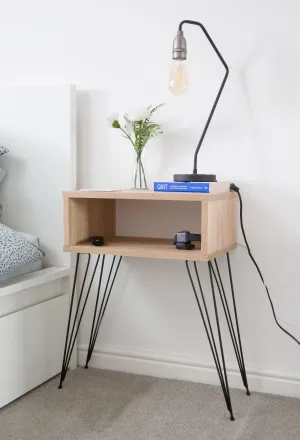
pixel 221 367
pixel 71 334
pixel 233 330
pixel 98 314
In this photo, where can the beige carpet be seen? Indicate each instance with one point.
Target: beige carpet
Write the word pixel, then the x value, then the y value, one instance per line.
pixel 101 405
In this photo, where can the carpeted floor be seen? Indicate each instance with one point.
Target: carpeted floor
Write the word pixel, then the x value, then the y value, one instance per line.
pixel 102 405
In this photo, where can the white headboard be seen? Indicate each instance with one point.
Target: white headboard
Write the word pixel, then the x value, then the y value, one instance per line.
pixel 38 125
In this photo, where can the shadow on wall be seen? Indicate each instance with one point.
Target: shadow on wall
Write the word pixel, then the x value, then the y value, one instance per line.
pixel 270 85
pixel 91 106
pixel 104 157
pixel 11 186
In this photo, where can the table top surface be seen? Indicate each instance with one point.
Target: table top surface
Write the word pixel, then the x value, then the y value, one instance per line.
pixel 148 195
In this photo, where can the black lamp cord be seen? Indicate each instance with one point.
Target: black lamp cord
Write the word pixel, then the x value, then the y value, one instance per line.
pixel 233 187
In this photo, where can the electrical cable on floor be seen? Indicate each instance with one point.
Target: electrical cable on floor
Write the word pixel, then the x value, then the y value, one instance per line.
pixel 233 187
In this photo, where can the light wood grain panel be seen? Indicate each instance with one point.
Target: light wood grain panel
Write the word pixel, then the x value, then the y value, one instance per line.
pixel 66 221
pixel 219 225
pixel 78 220
pixel 156 218
pixel 87 217
pixel 142 247
pixel 204 227
pixel 148 195
pixel 102 217
pixel 75 220
pixel 94 213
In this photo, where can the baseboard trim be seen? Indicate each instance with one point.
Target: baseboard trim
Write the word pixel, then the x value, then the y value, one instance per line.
pixel 149 363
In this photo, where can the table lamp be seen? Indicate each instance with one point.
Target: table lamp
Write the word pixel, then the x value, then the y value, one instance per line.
pixel 179 84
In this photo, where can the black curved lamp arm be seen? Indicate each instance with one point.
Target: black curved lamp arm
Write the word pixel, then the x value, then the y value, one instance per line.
pixel 219 93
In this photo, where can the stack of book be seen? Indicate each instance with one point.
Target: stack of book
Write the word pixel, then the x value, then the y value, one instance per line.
pixel 193 187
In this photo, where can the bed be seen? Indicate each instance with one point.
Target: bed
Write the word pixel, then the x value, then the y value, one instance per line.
pixel 38 125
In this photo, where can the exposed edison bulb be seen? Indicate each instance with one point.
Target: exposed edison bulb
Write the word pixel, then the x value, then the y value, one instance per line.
pixel 179 81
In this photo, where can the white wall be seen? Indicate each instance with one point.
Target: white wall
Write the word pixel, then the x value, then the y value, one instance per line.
pixel 40 164
pixel 118 54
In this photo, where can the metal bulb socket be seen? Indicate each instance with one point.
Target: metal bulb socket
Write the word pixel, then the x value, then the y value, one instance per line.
pixel 179 46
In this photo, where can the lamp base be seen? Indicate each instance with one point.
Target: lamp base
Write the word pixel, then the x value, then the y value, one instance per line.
pixel 195 178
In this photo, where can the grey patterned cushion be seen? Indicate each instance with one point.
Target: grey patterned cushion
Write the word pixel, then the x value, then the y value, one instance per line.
pixel 15 250
pixel 2 174
pixel 3 150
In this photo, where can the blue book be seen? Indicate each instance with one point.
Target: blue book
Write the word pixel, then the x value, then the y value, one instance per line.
pixel 198 187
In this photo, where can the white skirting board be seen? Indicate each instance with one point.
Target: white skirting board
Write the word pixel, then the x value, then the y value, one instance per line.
pixel 31 342
pixel 146 362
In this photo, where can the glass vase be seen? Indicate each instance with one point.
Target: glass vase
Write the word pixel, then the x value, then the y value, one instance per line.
pixel 139 176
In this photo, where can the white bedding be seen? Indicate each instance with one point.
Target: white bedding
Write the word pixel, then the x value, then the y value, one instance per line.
pixel 27 268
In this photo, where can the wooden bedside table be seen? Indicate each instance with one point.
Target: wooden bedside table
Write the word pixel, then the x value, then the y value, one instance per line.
pixel 94 213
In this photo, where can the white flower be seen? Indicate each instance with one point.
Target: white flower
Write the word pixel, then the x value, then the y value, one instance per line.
pixel 112 117
pixel 125 123
pixel 139 114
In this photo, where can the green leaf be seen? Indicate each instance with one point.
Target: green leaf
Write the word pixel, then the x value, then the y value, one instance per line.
pixel 116 124
pixel 144 131
pixel 155 110
pixel 153 125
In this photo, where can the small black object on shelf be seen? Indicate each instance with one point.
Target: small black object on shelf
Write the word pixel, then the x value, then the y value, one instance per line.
pixel 183 240
pixel 97 240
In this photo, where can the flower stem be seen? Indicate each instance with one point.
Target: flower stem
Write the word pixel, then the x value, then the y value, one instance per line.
pixel 139 180
pixel 135 174
pixel 128 137
pixel 140 176
pixel 145 181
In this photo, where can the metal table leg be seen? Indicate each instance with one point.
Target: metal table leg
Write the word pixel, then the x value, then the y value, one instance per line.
pixel 218 354
pixel 75 321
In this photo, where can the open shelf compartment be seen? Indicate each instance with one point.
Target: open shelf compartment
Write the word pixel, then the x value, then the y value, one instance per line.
pixel 91 213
